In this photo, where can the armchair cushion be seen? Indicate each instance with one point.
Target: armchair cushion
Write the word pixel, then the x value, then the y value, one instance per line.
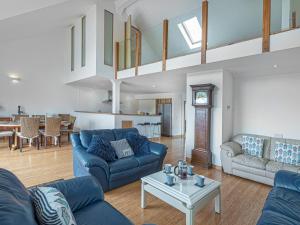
pixel 15 201
pixel 138 143
pixel 109 215
pixel 284 202
pixel 274 218
pixel 286 179
pixel 80 192
pixel 99 146
pixel 232 148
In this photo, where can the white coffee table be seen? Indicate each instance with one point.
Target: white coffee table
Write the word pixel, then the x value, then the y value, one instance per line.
pixel 184 195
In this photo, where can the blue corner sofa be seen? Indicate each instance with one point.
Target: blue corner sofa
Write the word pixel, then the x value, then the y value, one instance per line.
pixel 84 195
pixel 282 206
pixel 117 173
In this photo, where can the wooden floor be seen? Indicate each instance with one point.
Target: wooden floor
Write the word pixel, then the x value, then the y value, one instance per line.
pixel 242 200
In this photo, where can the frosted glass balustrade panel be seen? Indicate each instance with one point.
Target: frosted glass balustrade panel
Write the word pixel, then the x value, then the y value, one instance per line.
pixel 121 55
pixel 108 38
pixel 152 39
pixel 285 15
pixel 233 21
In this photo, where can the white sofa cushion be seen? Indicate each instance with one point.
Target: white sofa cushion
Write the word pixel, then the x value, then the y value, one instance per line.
pixel 250 161
pixel 273 166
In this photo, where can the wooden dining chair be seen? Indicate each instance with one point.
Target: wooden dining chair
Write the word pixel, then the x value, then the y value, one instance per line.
pixel 29 131
pixel 5 133
pixel 70 128
pixel 42 117
pixel 64 117
pixel 52 130
pixel 17 118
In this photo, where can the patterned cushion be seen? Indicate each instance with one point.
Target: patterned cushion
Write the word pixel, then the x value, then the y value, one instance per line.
pixel 287 153
pixel 122 148
pixel 253 145
pixel 101 147
pixel 51 207
pixel 138 143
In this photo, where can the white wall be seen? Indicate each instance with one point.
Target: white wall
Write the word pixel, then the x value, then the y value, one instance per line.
pixel 177 109
pixel 41 62
pixel 228 106
pixel 267 105
pixel 147 106
pixel 94 42
pixel 129 105
pixel 90 68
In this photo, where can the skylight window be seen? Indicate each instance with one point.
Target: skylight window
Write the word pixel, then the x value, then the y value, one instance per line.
pixel 192 32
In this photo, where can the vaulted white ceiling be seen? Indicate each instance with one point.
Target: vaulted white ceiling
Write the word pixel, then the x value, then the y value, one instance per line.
pixel 10 8
pixel 40 17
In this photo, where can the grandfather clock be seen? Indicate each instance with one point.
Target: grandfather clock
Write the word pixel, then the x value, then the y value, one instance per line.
pixel 202 100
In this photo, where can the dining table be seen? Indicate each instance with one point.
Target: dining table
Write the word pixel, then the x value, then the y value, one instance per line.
pixel 15 126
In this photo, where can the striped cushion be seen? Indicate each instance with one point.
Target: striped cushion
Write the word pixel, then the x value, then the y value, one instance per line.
pixel 51 207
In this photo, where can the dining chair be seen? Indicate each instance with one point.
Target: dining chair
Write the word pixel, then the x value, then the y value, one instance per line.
pixel 64 117
pixel 29 131
pixel 6 133
pixel 52 129
pixel 9 135
pixel 17 118
pixel 42 117
pixel 70 128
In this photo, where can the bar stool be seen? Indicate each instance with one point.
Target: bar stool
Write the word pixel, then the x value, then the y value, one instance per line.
pixel 141 128
pixel 9 134
pixel 156 130
pixel 147 131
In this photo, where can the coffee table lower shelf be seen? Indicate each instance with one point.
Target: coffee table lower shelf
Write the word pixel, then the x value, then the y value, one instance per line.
pixel 180 204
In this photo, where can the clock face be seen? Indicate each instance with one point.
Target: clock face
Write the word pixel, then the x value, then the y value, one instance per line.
pixel 201 97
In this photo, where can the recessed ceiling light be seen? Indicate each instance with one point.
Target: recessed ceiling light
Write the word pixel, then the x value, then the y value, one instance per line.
pixel 275 66
pixel 154 86
pixel 13 76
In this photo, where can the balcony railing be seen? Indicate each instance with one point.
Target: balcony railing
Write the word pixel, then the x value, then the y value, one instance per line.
pixel 211 25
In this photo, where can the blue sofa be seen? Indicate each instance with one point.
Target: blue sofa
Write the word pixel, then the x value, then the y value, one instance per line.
pixel 118 173
pixel 84 195
pixel 282 206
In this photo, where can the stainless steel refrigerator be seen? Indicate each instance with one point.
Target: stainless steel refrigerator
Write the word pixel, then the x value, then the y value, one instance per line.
pixel 165 110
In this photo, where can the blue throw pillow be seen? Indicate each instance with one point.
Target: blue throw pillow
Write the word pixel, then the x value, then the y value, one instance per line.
pixel 138 143
pixel 101 147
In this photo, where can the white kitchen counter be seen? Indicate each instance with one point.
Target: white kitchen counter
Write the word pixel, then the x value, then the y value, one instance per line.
pixel 94 120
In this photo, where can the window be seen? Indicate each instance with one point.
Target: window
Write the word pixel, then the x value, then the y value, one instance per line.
pixel 192 32
pixel 108 38
pixel 72 48
pixel 83 41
